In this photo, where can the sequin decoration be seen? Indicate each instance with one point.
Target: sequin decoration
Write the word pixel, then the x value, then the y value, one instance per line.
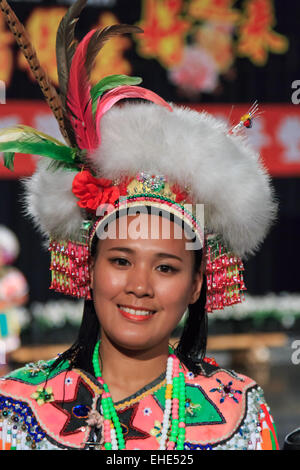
pixel 226 391
pixel 190 446
pixel 151 182
pixel 248 436
pixel 156 430
pixel 43 395
pixel 81 411
pixel 191 407
pixel 34 368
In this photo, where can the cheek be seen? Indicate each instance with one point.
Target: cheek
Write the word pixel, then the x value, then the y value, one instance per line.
pixel 174 294
pixel 107 282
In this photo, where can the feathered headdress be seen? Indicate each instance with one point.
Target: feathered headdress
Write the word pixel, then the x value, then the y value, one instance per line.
pixel 140 154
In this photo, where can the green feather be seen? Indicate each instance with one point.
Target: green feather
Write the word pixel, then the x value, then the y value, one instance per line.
pixel 45 149
pixel 55 165
pixel 24 139
pixel 108 83
pixel 8 160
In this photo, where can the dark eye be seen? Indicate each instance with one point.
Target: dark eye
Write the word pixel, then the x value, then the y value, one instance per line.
pixel 122 260
pixel 167 268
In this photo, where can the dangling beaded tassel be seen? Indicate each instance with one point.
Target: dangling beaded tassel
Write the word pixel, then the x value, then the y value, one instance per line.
pixel 178 408
pixel 175 405
pixel 182 401
pixel 168 404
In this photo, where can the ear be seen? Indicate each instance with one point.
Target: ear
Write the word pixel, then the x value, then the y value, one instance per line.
pixel 92 270
pixel 198 281
pixel 197 286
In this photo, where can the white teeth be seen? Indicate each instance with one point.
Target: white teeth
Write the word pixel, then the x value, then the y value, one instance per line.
pixel 137 312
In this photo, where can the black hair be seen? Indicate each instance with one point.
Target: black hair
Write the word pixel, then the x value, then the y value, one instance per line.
pixel 190 350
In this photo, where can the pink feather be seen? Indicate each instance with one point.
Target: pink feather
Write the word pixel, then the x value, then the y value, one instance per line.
pixel 121 92
pixel 79 99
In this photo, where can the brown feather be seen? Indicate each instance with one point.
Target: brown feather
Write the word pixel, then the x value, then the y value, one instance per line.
pixel 39 73
pixel 66 45
pixel 65 48
pixel 100 37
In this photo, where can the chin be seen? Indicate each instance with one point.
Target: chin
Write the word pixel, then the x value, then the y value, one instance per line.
pixel 134 343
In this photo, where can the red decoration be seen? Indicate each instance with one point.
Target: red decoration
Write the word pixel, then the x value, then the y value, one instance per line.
pixel 248 123
pixel 180 194
pixel 210 360
pixel 93 192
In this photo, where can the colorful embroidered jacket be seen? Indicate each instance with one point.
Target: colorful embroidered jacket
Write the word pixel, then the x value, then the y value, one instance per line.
pixel 42 410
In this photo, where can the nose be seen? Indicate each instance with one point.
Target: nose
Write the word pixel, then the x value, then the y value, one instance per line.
pixel 139 282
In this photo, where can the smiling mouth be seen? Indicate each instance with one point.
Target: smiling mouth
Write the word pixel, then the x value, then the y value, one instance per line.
pixel 135 314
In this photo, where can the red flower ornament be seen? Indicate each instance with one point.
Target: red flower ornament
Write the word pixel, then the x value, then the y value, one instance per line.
pixel 93 192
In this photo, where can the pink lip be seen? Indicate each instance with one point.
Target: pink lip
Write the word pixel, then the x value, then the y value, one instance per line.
pixel 138 318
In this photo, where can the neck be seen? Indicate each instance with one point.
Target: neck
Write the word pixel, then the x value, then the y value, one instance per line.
pixel 126 371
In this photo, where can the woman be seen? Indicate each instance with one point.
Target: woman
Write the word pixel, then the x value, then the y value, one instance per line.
pixel 128 276
pixel 127 173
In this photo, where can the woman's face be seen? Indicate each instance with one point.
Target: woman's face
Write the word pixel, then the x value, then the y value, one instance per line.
pixel 142 287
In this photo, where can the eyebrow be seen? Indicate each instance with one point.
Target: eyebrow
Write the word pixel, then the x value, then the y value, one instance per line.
pixel 157 255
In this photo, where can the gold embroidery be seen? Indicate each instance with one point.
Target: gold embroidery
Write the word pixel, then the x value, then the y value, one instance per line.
pixel 125 404
pixel 96 388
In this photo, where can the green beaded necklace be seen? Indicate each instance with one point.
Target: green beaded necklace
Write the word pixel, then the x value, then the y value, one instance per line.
pixel 113 434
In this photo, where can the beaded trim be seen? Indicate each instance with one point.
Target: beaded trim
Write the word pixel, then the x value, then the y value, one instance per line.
pixel 158 201
pixel 190 446
pixel 96 388
pixel 125 404
pixel 248 434
pixel 50 435
pixel 20 419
